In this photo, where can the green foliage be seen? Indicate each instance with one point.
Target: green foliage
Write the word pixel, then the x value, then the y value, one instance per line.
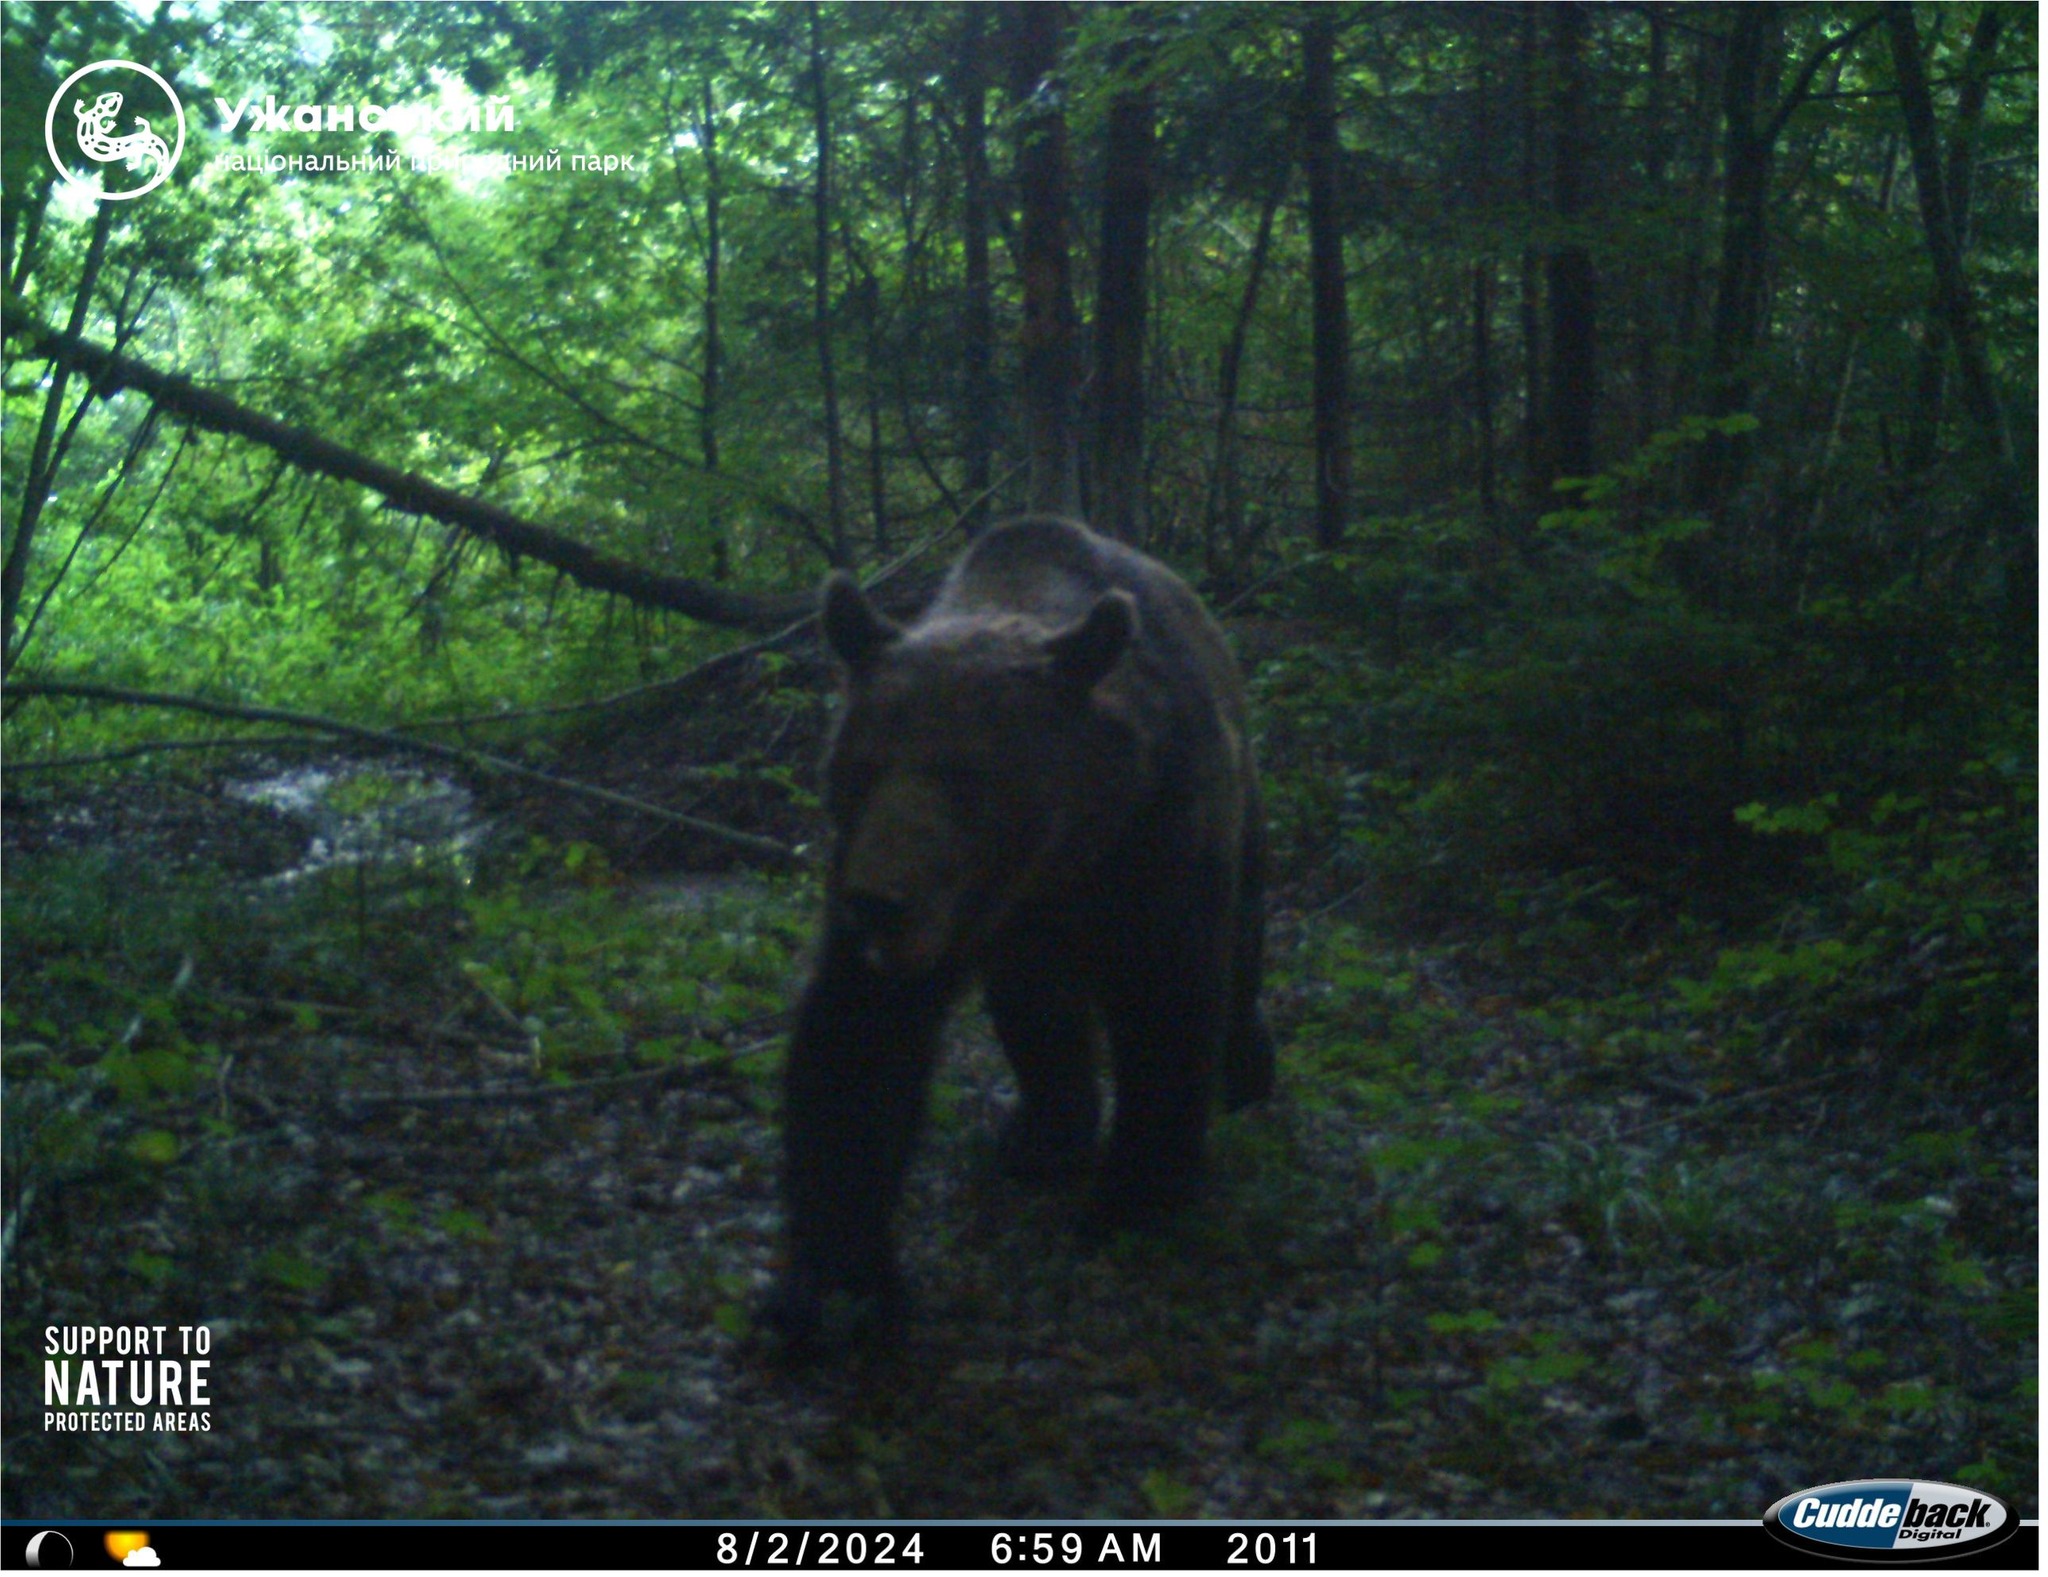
pixel 1310 1447
pixel 1166 1495
pixel 1681 819
pixel 595 983
pixel 126 980
pixel 1918 913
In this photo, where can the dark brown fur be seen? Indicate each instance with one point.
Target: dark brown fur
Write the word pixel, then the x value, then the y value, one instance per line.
pixel 1045 784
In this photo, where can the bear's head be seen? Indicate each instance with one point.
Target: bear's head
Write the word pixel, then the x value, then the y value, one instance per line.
pixel 979 760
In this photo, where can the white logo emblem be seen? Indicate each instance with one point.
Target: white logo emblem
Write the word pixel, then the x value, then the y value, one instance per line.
pixel 137 150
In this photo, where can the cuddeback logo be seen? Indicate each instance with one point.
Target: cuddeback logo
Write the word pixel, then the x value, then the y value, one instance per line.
pixel 1892 1521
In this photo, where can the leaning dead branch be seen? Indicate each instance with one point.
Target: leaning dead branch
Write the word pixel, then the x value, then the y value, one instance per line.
pixel 412 494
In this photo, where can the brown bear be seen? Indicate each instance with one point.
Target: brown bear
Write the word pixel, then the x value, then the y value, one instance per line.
pixel 1043 784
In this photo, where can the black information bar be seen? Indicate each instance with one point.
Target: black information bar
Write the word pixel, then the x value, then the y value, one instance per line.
pixel 930 1546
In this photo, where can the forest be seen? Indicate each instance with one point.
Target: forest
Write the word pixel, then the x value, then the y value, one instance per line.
pixel 1606 435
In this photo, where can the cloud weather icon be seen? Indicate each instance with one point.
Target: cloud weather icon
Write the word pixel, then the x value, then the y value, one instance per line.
pixel 142 1557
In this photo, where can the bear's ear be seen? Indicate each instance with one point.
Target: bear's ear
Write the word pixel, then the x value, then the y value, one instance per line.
pixel 856 633
pixel 1085 651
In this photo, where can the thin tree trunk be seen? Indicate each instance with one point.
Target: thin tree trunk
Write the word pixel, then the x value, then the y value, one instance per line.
pixel 1222 505
pixel 978 309
pixel 1923 435
pixel 1049 332
pixel 1534 444
pixel 821 293
pixel 1482 383
pixel 1574 386
pixel 1887 185
pixel 911 163
pixel 1952 291
pixel 1746 183
pixel 24 202
pixel 1120 310
pixel 707 407
pixel 1749 86
pixel 878 492
pixel 1332 326
pixel 24 259
pixel 45 455
pixel 1651 278
pixel 1692 269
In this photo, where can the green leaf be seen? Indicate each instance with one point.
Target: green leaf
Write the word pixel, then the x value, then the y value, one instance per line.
pixel 157 1147
pixel 1470 1323
pixel 1166 1495
pixel 734 1320
pixel 154 1268
pixel 292 1271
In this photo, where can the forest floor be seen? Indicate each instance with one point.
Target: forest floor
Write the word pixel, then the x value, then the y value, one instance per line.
pixel 469 1169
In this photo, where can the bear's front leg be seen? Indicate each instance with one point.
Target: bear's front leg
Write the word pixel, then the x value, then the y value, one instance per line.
pixel 1167 1004
pixel 860 1057
pixel 1045 1020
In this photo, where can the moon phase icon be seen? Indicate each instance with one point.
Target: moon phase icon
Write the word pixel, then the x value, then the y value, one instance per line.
pixel 55 1555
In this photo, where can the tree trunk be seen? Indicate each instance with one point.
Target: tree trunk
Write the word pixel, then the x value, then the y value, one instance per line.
pixel 1684 386
pixel 978 309
pixel 23 260
pixel 1573 301
pixel 1923 436
pixel 1952 291
pixel 821 294
pixel 1651 281
pixel 1049 333
pixel 1120 311
pixel 1332 326
pixel 707 405
pixel 46 454
pixel 2008 514
pixel 1739 289
pixel 1838 410
pixel 1534 445
pixel 1482 383
pixel 1223 505
pixel 878 488
pixel 24 202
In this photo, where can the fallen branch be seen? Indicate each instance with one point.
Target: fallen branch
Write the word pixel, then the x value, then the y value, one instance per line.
pixel 716 663
pixel 733 656
pixel 407 492
pixel 1722 1103
pixel 303 742
pixel 766 848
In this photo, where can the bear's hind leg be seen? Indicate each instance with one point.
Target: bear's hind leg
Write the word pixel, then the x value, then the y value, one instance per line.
pixel 1048 1028
pixel 1167 1011
pixel 1248 1070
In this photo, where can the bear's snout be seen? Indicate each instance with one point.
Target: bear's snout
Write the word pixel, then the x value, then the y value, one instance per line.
pixel 903 879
